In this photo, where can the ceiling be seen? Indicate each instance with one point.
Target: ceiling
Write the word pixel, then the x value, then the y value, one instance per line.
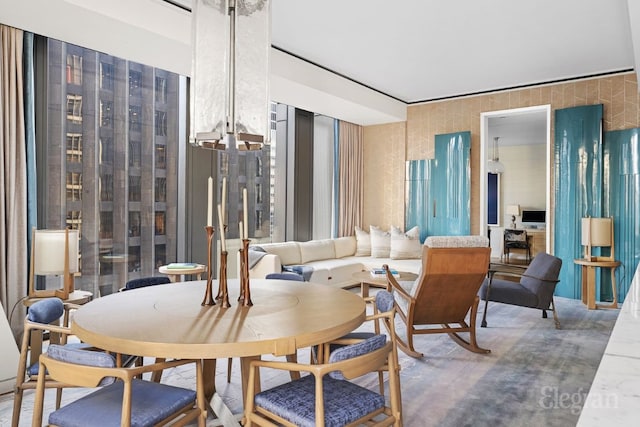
pixel 422 50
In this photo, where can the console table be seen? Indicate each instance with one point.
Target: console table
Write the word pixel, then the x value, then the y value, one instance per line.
pixel 588 270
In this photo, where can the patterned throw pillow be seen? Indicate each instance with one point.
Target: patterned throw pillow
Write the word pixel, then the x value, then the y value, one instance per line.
pixel 363 242
pixel 380 242
pixel 405 245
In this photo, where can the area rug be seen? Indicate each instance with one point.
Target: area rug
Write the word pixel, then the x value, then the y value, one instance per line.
pixel 535 374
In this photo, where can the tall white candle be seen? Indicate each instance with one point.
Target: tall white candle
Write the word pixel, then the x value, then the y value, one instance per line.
pixel 223 244
pixel 224 199
pixel 246 213
pixel 210 203
pixel 240 230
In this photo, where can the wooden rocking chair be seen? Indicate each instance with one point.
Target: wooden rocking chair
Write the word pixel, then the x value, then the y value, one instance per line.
pixel 446 291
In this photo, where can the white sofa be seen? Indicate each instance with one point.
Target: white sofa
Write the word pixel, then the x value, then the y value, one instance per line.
pixel 333 260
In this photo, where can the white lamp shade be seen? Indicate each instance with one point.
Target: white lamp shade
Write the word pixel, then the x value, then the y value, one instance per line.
pixel 49 251
pixel 513 210
pixel 596 231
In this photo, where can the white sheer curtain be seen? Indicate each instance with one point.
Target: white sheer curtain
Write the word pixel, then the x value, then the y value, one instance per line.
pixel 13 202
pixel 351 186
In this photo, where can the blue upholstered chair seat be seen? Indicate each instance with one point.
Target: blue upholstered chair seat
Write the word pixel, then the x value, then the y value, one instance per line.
pixel 293 401
pixel 151 403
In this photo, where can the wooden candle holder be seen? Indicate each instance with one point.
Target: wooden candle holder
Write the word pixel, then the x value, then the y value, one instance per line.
pixel 208 295
pixel 223 293
pixel 245 291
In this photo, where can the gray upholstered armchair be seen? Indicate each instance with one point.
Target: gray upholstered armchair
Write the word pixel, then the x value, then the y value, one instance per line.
pixel 535 288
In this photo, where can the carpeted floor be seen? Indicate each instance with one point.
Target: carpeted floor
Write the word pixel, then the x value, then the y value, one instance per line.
pixel 535 375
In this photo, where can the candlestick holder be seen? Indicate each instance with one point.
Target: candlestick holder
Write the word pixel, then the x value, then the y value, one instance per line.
pixel 208 295
pixel 223 293
pixel 245 289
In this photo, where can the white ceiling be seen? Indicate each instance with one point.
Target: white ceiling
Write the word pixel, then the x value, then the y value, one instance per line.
pixel 421 50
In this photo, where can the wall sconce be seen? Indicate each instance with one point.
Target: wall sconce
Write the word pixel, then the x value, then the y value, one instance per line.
pixel 514 211
pixel 54 252
pixel 494 165
pixel 231 40
pixel 597 232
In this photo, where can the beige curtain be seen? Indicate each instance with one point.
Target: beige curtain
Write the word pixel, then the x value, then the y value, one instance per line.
pixel 351 188
pixel 13 180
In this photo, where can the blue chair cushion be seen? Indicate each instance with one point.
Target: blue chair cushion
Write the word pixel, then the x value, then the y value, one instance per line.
pixel 285 276
pixel 146 281
pixel 384 301
pixel 354 350
pixel 46 310
pixel 344 402
pixel 150 403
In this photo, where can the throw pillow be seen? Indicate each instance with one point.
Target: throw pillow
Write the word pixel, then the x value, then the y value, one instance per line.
pixel 363 242
pixel 380 242
pixel 405 245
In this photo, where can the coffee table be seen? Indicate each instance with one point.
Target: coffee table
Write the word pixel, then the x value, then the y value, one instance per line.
pixel 367 280
pixel 177 274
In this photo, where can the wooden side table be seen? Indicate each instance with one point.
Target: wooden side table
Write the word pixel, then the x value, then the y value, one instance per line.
pixel 366 280
pixel 175 274
pixel 588 270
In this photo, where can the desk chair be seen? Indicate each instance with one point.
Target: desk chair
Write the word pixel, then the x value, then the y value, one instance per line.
pixel 518 240
pixel 121 399
pixel 143 282
pixel 327 396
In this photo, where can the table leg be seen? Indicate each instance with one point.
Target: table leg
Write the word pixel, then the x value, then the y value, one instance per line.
pixel 209 374
pixel 583 281
pixel 591 288
pixel 364 289
pixel 614 304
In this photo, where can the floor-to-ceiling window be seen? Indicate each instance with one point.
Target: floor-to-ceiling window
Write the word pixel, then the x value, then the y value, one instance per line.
pixel 108 160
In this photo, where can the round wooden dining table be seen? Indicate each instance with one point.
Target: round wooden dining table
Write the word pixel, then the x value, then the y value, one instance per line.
pixel 168 321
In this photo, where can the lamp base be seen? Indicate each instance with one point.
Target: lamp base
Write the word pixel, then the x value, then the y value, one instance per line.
pixel 513 222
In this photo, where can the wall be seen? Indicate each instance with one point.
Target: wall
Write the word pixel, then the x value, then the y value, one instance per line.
pixel 618 93
pixel 524 179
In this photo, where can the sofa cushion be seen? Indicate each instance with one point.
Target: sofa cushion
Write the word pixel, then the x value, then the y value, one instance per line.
pixel 345 246
pixel 288 252
pixel 380 242
pixel 316 249
pixel 405 245
pixel 363 242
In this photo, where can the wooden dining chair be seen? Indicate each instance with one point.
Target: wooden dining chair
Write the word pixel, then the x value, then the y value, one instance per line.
pixel 47 316
pixel 445 293
pixel 327 396
pixel 121 399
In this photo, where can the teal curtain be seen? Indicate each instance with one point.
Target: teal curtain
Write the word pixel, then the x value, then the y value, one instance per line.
pixel 622 202
pixel 577 155
pixel 438 190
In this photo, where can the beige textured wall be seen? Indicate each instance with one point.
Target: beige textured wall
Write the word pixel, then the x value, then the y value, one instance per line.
pixel 384 170
pixel 386 150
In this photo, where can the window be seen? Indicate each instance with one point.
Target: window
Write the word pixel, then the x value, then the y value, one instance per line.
pixel 74 147
pixel 106 188
pixel 106 113
pixel 74 186
pixel 92 159
pixel 135 188
pixel 161 123
pixel 161 190
pixel 135 118
pixel 74 108
pixel 106 76
pixel 161 90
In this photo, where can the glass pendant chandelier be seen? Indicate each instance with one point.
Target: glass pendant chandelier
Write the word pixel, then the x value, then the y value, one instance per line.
pixel 494 165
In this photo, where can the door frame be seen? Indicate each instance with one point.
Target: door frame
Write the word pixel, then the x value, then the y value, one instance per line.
pixel 485 150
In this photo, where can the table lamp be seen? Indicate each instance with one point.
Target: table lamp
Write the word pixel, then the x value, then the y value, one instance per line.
pixel 54 253
pixel 597 232
pixel 513 210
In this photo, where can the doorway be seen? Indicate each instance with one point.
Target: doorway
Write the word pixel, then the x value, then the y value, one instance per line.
pixel 524 143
